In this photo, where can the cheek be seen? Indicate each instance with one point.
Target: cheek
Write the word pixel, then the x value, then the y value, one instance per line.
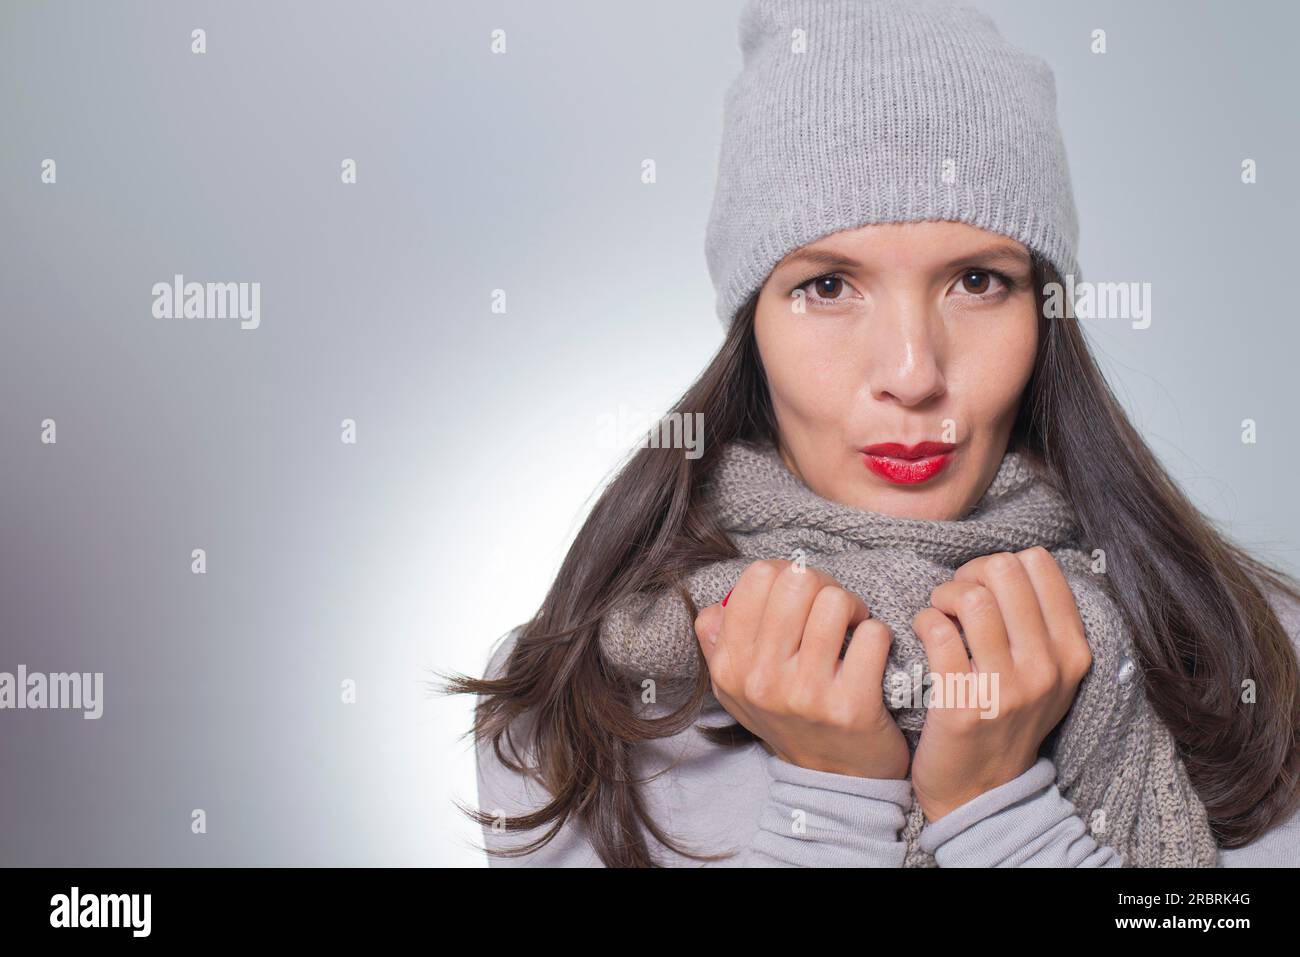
pixel 806 370
pixel 995 365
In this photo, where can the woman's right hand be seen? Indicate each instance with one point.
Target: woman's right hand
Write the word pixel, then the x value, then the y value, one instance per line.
pixel 773 656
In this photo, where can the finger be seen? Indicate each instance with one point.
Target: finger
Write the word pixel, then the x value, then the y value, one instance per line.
pixel 944 648
pixel 1066 635
pixel 834 612
pixel 976 611
pixel 789 601
pixel 744 611
pixel 945 652
pixel 1005 576
pixel 863 668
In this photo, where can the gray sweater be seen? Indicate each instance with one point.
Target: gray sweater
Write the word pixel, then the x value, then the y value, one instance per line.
pixel 776 814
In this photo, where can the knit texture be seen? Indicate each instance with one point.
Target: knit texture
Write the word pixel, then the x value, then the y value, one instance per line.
pixel 852 112
pixel 1115 760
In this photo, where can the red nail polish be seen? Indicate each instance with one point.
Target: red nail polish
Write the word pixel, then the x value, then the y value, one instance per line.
pixel 724 601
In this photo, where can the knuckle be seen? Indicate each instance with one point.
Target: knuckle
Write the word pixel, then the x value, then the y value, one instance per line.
pixel 835 601
pixel 929 620
pixel 840 713
pixel 700 621
pixel 795 581
pixel 1081 660
pixel 976 601
pixel 1079 635
pixel 805 700
pixel 1003 565
pixel 1042 680
pixel 757 578
pixel 1015 700
pixel 720 673
pixel 873 628
pixel 1037 557
pixel 1077 652
pixel 758 688
pixel 763 571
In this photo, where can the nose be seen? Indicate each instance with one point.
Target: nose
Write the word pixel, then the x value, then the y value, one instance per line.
pixel 904 349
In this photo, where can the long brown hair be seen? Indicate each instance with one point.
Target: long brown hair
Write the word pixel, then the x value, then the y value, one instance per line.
pixel 1193 599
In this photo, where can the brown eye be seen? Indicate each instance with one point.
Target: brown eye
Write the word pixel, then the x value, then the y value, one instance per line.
pixel 828 287
pixel 976 281
pixel 825 291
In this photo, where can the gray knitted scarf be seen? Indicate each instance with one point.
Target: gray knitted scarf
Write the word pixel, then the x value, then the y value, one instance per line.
pixel 1115 760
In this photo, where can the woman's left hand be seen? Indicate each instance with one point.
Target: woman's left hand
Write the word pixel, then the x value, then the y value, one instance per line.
pixel 1028 655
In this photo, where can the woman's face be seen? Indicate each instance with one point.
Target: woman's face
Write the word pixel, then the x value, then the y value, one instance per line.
pixel 899 333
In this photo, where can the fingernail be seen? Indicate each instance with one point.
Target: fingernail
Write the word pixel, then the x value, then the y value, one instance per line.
pixel 724 601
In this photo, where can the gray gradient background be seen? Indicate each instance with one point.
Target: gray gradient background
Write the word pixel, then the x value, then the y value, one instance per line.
pixel 477 454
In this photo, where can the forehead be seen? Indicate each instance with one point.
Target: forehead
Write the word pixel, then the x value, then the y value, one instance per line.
pixel 930 244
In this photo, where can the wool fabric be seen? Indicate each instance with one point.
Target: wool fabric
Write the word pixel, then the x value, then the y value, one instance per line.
pixel 852 112
pixel 1115 760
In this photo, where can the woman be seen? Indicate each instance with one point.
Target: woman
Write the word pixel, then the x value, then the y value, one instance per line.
pixel 927 599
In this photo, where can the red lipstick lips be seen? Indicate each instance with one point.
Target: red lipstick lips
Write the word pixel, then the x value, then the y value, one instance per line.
pixel 908 465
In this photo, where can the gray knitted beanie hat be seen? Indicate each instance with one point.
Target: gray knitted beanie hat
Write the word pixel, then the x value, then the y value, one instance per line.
pixel 850 112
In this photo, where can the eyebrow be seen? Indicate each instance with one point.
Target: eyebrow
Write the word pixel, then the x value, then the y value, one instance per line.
pixel 995 255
